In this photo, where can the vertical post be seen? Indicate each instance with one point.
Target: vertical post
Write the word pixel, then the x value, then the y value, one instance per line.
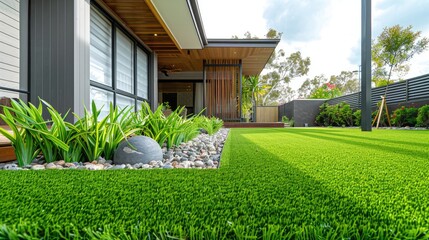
pixel 24 82
pixel 366 66
pixel 407 90
pixel 204 87
pixel 241 89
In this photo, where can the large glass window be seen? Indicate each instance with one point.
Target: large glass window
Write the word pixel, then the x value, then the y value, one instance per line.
pixel 101 49
pixel 124 63
pixel 123 101
pixel 111 44
pixel 142 74
pixel 102 99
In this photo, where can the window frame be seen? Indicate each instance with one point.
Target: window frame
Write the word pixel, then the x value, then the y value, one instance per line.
pixel 136 44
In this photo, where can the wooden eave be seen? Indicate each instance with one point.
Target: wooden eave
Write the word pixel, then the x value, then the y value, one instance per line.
pixel 140 17
pixel 254 54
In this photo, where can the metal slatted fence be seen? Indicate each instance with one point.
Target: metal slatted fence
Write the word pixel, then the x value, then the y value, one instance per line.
pixel 413 89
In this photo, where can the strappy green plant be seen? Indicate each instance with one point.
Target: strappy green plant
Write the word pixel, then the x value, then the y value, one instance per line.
pixel 63 131
pixel 152 124
pixel 89 133
pixel 22 141
pixel 120 124
pixel 171 130
pixel 30 132
pixel 210 125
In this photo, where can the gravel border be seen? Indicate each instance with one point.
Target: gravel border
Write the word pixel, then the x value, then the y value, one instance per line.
pixel 203 152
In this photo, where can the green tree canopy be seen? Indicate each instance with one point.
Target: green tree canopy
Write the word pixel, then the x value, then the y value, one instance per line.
pixel 280 71
pixel 391 51
pixel 319 88
pixel 347 82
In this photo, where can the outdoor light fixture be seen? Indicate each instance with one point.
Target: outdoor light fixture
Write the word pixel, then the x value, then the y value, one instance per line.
pixel 165 71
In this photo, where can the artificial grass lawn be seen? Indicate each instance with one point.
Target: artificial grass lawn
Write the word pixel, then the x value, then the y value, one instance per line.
pixel 272 184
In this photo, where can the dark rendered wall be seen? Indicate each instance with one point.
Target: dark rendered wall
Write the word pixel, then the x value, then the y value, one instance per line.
pixel 303 111
pixel 51 53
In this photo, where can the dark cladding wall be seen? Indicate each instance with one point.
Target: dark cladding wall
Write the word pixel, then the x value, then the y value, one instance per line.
pixel 51 53
pixel 286 110
pixel 302 111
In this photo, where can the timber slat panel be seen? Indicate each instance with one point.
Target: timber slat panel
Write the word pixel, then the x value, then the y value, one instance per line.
pixel 223 90
pixel 266 114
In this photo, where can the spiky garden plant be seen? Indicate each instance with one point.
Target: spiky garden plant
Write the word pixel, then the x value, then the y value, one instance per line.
pixel 30 132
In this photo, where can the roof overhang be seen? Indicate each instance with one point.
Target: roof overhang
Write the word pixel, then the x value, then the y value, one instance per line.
pixel 254 54
pixel 174 30
pixel 183 20
pixel 243 43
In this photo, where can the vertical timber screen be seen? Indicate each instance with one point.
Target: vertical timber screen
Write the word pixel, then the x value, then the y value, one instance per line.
pixel 223 89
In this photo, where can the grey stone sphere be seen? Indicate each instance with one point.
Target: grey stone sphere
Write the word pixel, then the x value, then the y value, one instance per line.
pixel 142 150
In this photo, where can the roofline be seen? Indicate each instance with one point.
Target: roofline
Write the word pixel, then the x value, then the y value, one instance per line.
pixel 196 16
pixel 257 43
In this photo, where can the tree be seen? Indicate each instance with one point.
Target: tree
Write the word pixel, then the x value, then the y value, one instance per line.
pixel 281 70
pixel 319 88
pixel 347 82
pixel 326 91
pixel 252 89
pixel 273 34
pixel 393 49
pixel 309 86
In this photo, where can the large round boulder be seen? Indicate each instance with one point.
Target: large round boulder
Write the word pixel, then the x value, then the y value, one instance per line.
pixel 138 149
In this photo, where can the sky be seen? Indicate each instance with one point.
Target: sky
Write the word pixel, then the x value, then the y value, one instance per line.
pixel 327 31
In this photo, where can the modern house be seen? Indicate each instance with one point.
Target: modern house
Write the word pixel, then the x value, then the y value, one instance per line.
pixel 70 52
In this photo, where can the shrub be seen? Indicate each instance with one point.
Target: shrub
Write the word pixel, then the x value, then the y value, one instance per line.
pixel 285 119
pixel 335 115
pixel 345 114
pixel 404 116
pixel 322 117
pixel 423 116
pixel 357 116
pixel 292 122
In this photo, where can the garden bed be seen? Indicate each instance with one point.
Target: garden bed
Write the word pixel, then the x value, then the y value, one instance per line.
pixel 203 152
